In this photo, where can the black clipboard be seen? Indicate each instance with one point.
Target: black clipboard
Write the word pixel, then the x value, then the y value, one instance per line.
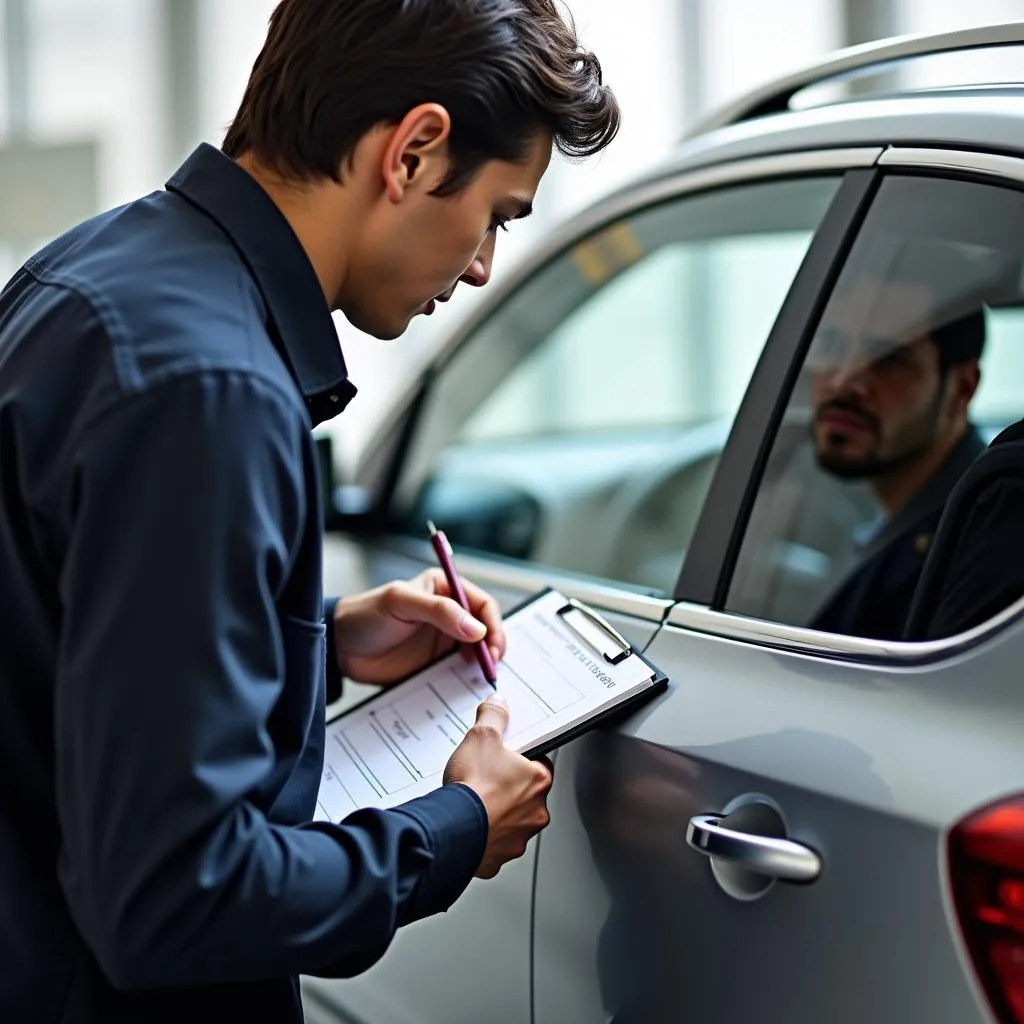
pixel 615 651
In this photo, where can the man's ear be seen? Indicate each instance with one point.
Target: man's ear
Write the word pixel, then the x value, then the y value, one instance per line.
pixel 416 155
pixel 966 378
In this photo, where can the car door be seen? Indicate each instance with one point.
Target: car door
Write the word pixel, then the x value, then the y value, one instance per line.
pixel 819 777
pixel 601 382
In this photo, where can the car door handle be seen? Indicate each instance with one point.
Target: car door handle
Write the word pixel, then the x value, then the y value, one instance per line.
pixel 764 855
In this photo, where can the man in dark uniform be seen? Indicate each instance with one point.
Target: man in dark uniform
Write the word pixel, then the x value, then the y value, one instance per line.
pixel 891 386
pixel 163 648
pixel 973 571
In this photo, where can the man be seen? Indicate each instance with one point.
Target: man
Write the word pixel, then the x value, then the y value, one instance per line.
pixel 162 648
pixel 891 383
pixel 973 570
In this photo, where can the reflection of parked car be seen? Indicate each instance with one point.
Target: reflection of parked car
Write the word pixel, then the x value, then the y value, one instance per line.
pixel 624 419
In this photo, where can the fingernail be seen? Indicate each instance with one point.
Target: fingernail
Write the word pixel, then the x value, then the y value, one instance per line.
pixel 471 628
pixel 499 699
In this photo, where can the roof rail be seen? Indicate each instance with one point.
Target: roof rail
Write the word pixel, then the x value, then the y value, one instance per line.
pixel 855 61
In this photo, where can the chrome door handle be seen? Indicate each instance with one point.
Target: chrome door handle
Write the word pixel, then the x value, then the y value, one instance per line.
pixel 764 855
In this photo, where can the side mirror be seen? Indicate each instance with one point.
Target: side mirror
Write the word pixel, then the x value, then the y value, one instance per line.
pixel 488 515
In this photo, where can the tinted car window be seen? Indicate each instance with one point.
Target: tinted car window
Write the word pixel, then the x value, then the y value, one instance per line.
pixel 580 425
pixel 915 365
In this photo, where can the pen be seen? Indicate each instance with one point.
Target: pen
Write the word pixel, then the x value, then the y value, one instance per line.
pixel 443 550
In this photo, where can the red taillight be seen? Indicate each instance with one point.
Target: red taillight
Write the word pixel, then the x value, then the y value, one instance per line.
pixel 986 855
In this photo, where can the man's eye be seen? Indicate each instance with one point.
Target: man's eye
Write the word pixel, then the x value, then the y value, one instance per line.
pixel 896 357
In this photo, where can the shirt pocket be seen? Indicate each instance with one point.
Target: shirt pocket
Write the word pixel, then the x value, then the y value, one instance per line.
pixel 305 643
pixel 297 722
pixel 305 659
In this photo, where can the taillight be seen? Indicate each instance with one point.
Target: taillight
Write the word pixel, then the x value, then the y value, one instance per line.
pixel 986 855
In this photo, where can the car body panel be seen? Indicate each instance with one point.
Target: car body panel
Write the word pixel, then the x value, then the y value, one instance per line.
pixel 870 766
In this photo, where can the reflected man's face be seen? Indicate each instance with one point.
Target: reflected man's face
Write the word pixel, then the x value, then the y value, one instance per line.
pixel 876 385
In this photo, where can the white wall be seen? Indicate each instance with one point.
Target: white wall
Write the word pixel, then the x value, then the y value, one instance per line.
pixel 748 42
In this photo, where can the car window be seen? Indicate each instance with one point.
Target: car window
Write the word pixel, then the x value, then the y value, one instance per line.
pixel 914 367
pixel 580 425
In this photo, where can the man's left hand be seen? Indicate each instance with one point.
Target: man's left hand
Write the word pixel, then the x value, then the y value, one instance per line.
pixel 388 633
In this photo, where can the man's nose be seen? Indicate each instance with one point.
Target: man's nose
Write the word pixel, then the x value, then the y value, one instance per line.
pixel 478 273
pixel 849 376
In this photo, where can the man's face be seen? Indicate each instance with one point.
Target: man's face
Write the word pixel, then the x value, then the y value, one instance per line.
pixel 878 395
pixel 417 251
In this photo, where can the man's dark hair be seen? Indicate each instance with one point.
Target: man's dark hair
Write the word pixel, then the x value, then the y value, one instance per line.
pixel 961 340
pixel 959 332
pixel 331 70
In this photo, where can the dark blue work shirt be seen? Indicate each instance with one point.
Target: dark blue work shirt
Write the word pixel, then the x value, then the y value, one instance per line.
pixel 162 646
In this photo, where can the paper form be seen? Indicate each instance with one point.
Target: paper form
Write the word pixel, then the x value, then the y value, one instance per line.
pixel 395 747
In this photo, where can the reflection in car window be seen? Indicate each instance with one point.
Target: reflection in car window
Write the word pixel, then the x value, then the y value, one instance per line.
pixel 913 368
pixel 580 426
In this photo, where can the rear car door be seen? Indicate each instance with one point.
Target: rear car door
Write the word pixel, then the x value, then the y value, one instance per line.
pixel 603 383
pixel 821 777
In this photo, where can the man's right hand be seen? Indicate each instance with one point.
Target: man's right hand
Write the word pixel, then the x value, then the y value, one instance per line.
pixel 513 789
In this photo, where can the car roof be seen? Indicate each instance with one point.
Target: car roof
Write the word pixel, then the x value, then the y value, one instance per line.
pixel 988 119
pixel 984 116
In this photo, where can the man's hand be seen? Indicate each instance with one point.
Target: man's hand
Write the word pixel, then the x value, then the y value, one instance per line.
pixel 388 633
pixel 513 790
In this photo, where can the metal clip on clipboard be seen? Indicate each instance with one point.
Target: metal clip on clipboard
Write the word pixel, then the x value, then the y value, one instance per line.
pixel 577 616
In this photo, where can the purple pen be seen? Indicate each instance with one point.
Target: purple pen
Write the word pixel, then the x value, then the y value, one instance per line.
pixel 445 556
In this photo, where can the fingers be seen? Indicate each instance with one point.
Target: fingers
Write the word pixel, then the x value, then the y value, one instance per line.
pixel 545 775
pixel 413 605
pixel 485 609
pixel 492 715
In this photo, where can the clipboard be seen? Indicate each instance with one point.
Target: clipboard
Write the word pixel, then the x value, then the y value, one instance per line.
pixel 376 749
pixel 616 650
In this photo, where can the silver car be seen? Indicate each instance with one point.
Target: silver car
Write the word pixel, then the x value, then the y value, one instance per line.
pixel 806 827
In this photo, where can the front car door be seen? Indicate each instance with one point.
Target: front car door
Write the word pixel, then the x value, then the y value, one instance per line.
pixel 570 440
pixel 863 754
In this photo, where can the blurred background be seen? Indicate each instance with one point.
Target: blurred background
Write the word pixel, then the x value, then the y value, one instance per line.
pixel 100 100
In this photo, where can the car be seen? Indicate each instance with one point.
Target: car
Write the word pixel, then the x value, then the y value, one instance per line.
pixel 806 826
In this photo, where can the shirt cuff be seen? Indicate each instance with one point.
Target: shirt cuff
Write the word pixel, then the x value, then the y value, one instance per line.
pixel 454 820
pixel 334 678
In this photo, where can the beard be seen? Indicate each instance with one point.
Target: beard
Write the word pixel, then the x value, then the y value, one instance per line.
pixel 910 441
pixel 866 467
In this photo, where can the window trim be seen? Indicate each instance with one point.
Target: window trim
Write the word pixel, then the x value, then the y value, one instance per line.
pixel 986 168
pixel 527 577
pixel 834 646
pixel 715 546
pixel 988 165
pixel 607 597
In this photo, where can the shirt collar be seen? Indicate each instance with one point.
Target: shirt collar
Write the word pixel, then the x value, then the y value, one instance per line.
pixel 301 324
pixel 934 492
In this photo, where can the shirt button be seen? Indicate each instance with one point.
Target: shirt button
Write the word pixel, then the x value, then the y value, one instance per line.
pixel 335 399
